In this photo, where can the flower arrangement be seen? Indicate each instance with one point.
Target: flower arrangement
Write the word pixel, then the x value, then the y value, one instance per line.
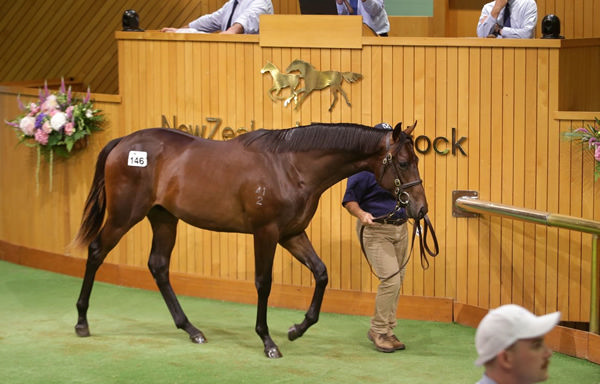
pixel 56 123
pixel 589 136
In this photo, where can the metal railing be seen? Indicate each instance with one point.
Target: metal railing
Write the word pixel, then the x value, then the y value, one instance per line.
pixel 467 204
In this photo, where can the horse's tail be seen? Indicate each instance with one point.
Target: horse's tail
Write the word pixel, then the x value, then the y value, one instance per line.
pixel 95 205
pixel 351 77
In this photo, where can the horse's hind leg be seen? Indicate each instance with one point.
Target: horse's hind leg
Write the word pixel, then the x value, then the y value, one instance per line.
pixel 164 229
pixel 106 240
pixel 301 248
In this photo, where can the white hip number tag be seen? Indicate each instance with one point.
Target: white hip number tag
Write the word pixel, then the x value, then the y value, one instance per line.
pixel 137 159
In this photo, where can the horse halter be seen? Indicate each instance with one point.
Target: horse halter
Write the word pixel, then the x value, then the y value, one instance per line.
pixel 402 201
pixel 402 197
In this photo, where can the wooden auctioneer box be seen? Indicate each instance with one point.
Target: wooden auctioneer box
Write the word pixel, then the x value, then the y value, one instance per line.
pixel 304 31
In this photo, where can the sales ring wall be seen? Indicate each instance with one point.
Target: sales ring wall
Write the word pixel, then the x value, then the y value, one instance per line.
pixel 509 100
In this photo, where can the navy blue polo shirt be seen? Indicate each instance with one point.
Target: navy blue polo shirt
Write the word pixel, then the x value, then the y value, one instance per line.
pixel 370 196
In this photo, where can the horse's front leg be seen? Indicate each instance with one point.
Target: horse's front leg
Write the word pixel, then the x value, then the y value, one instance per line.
pixel 265 242
pixel 301 248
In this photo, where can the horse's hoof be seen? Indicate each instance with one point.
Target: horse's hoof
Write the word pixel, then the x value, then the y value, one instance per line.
pixel 198 338
pixel 82 330
pixel 273 353
pixel 293 333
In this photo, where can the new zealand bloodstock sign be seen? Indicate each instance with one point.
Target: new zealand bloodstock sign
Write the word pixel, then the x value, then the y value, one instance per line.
pixel 215 129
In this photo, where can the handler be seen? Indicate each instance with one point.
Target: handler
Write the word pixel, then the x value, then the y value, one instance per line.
pixel 385 241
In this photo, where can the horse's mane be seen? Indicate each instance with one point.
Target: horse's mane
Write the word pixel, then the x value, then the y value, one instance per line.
pixel 321 136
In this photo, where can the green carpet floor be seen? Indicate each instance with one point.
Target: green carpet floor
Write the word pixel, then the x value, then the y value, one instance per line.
pixel 134 341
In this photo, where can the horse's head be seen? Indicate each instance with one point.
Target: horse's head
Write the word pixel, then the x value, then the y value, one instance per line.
pixel 268 67
pixel 399 172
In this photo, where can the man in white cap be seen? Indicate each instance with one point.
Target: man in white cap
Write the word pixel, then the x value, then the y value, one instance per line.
pixel 510 344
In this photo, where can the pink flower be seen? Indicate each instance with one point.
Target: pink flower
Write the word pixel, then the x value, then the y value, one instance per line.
pixel 41 137
pixel 49 104
pixel 69 129
pixel 87 96
pixel 46 127
pixel 69 112
pixel 27 125
pixel 597 154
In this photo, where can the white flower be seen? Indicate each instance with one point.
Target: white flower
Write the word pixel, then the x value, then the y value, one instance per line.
pixel 27 125
pixel 89 113
pixel 58 120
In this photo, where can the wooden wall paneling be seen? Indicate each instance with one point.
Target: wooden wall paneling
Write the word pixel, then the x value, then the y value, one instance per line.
pixel 518 198
pixel 578 17
pixel 506 178
pixel 24 45
pixel 376 91
pixel 553 183
pixel 541 176
pixel 427 163
pixel 440 206
pixel 562 264
pixel 409 64
pixel 452 95
pixel 418 113
pixel 102 58
pixel 575 239
pixel 462 173
pixel 595 26
pixel 568 20
pixel 530 134
pixel 474 154
pixel 587 212
pixel 553 177
pixel 496 128
pixel 485 151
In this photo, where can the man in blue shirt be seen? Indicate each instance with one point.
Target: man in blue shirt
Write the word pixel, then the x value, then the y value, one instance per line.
pixel 384 239
pixel 372 11
pixel 235 16
pixel 508 19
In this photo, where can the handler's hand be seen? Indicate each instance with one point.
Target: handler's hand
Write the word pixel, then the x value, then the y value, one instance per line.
pixel 366 218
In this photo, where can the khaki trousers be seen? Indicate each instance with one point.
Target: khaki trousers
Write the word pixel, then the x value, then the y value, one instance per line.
pixel 386 250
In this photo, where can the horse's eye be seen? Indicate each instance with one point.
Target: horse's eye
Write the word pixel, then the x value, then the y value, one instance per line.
pixel 403 164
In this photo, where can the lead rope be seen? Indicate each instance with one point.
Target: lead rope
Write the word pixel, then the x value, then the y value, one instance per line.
pixel 423 245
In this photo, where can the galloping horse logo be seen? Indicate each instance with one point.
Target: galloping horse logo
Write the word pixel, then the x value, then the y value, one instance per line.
pixel 313 80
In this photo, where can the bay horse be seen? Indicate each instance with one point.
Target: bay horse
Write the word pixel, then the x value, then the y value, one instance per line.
pixel 315 80
pixel 266 183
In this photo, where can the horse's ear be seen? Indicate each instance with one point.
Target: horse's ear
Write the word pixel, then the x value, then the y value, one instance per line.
pixel 397 131
pixel 410 128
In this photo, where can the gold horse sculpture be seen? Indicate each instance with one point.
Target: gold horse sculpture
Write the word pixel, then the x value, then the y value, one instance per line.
pixel 281 81
pixel 314 79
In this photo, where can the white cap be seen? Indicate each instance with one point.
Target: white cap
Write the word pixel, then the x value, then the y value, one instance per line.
pixel 503 326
